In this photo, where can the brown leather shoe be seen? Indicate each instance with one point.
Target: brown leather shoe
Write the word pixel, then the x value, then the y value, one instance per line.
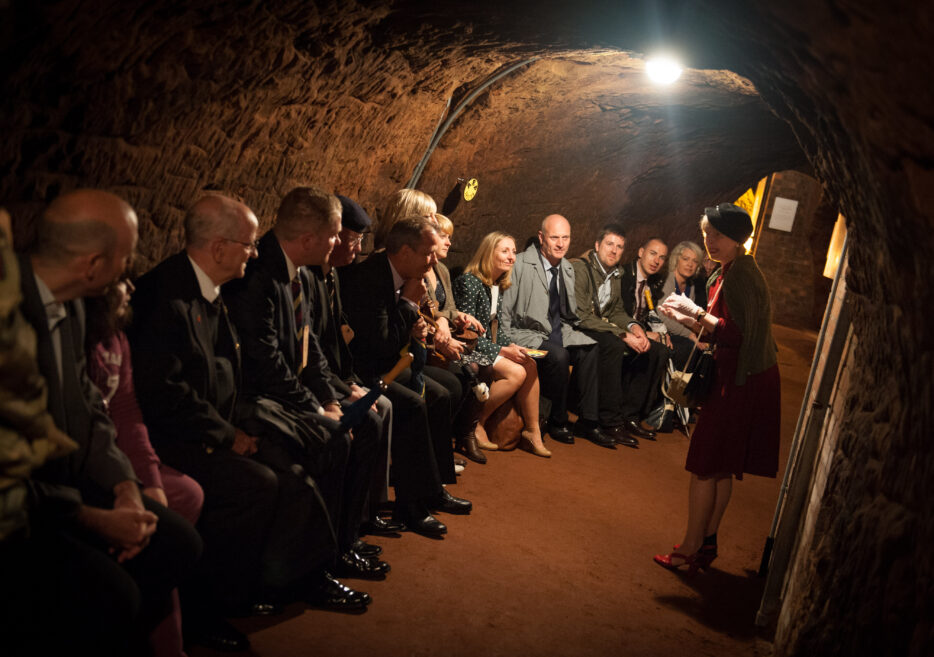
pixel 469 447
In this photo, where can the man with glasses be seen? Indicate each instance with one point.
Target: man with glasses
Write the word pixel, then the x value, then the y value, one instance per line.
pixel 262 528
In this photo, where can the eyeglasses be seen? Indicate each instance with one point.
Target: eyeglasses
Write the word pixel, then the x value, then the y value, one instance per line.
pixel 357 241
pixel 252 246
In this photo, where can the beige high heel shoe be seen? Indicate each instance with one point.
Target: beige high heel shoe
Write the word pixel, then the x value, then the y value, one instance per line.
pixel 529 444
pixel 483 442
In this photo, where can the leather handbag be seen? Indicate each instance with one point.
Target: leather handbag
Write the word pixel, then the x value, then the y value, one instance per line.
pixel 690 386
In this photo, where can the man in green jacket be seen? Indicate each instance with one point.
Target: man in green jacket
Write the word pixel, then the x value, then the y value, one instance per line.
pixel 631 365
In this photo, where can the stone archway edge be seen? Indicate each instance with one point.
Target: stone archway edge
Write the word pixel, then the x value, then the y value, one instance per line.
pixel 461 106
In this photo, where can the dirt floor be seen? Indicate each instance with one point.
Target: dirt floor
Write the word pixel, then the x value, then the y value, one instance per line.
pixel 556 559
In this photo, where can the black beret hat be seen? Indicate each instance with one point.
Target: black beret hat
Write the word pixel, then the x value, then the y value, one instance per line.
pixel 353 217
pixel 731 220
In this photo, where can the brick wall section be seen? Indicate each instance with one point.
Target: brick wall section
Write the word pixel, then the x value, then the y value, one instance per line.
pixel 793 263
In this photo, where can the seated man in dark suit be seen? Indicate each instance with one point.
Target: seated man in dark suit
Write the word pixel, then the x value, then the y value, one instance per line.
pixel 641 281
pixel 330 324
pixel 539 311
pixel 90 500
pixel 286 373
pixel 264 530
pixel 631 365
pixel 381 297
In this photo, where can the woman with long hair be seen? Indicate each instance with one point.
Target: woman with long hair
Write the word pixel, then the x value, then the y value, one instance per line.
pixel 478 291
pixel 738 428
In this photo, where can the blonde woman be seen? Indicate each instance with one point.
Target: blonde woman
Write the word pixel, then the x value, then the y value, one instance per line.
pixel 738 429
pixel 453 387
pixel 404 203
pixel 683 267
pixel 479 292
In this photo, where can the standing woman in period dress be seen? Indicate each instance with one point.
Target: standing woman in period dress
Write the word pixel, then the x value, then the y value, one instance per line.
pixel 478 291
pixel 738 429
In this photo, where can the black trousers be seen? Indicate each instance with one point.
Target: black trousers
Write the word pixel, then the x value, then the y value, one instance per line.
pixel 414 473
pixel 581 386
pixel 365 450
pixel 323 479
pixel 442 394
pixel 630 382
pixel 64 594
pixel 240 503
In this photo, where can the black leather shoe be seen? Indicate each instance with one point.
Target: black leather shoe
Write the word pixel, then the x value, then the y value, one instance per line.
pixel 365 549
pixel 217 634
pixel 596 436
pixel 621 436
pixel 351 564
pixel 561 433
pixel 450 504
pixel 418 519
pixel 381 527
pixel 635 429
pixel 331 595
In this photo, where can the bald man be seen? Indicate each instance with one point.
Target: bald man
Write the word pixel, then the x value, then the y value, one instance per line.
pixel 539 311
pixel 265 530
pixel 85 240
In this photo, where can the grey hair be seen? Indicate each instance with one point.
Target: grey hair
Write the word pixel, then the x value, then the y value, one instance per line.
pixel 676 253
pixel 206 221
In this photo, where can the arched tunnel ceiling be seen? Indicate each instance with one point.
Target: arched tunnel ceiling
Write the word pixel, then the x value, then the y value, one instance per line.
pixel 586 134
pixel 158 99
pixel 161 100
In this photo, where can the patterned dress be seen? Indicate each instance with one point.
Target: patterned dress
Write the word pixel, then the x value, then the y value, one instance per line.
pixel 474 298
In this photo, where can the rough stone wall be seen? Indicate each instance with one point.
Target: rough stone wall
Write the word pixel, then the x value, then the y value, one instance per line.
pixel 586 135
pixel 158 101
pixel 793 262
pixel 846 77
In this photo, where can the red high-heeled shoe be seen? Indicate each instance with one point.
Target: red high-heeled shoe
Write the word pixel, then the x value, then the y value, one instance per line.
pixel 704 556
pixel 689 560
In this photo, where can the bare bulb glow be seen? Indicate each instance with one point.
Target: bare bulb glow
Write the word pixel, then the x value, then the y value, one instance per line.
pixel 663 70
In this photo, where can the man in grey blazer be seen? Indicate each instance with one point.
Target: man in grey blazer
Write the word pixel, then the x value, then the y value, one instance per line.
pixel 539 311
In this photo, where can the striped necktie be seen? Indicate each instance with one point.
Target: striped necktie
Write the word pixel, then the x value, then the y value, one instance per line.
pixel 297 298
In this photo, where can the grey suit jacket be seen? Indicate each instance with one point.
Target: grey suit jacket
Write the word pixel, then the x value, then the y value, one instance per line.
pixel 524 309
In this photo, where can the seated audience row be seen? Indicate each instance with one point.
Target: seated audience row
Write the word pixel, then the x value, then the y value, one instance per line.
pixel 246 399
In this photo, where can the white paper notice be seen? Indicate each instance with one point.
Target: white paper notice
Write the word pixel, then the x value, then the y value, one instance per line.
pixel 783 214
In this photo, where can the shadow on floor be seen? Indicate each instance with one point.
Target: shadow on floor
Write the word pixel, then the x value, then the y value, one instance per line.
pixel 724 602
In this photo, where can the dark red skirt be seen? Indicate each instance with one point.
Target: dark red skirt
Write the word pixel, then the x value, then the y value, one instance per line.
pixel 738 428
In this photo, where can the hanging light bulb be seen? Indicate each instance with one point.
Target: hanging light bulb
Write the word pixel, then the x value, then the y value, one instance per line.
pixel 663 69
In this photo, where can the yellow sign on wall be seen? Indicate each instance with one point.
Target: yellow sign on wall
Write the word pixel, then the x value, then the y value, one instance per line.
pixel 470 189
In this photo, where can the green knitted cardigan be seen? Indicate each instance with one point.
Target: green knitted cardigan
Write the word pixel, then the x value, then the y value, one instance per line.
pixel 747 299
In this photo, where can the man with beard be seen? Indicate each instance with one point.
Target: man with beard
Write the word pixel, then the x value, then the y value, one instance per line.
pixel 631 365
